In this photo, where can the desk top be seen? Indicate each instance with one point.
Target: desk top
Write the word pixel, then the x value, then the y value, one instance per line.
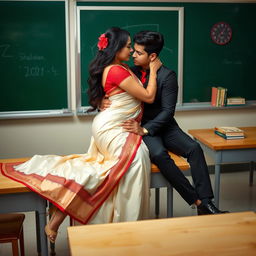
pixel 8 186
pixel 215 142
pixel 223 234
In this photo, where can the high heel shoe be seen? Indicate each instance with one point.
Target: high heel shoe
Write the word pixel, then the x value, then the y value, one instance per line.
pixel 51 234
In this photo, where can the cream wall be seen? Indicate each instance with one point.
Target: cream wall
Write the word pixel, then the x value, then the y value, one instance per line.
pixel 26 137
pixel 67 135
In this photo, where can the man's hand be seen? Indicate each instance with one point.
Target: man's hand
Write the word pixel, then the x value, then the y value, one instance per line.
pixel 133 126
pixel 105 103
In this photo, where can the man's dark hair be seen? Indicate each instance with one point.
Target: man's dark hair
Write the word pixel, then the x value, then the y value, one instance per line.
pixel 152 41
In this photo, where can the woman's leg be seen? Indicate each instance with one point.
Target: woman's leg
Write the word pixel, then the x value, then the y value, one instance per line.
pixel 52 227
pixel 57 219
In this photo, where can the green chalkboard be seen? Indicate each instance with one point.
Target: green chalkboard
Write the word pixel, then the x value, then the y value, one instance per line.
pixel 95 22
pixel 33 58
pixel 205 64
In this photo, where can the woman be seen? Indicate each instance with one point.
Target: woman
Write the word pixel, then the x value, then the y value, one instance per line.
pixel 111 182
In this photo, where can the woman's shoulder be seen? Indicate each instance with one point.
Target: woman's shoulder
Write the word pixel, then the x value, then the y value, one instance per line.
pixel 117 69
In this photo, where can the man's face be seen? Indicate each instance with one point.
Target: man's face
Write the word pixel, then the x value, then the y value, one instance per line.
pixel 140 56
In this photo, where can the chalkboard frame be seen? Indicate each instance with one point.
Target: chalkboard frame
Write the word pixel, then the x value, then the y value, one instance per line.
pixel 81 110
pixel 47 112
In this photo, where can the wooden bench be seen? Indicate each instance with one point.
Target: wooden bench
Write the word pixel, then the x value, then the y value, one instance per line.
pixel 157 180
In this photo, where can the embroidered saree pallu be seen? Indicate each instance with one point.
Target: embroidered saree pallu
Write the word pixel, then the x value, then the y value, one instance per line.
pixel 110 183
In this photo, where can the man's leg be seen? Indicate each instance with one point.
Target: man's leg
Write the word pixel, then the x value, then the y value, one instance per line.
pixel 180 143
pixel 159 156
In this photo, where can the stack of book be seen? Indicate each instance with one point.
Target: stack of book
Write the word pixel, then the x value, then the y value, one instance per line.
pixel 219 96
pixel 229 133
pixel 235 101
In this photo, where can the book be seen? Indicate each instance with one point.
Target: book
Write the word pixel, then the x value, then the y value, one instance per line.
pixel 230 131
pixel 223 96
pixel 214 96
pixel 235 101
pixel 228 137
pixel 219 96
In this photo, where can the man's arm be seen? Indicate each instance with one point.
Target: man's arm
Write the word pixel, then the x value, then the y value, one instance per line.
pixel 168 104
pixel 134 127
pixel 167 109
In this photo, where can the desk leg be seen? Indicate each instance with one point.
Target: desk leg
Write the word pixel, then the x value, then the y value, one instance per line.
pixel 169 201
pixel 38 234
pixel 251 173
pixel 157 198
pixel 217 185
pixel 217 179
pixel 40 223
pixel 43 240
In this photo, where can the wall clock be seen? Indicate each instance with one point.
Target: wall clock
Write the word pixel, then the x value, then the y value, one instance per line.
pixel 221 33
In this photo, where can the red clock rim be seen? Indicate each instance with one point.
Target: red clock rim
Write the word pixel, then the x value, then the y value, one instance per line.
pixel 215 25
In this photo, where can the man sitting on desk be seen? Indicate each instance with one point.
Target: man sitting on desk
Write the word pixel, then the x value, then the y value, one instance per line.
pixel 161 132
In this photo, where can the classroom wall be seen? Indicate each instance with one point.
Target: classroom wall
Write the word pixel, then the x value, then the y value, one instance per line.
pixel 67 135
pixel 20 138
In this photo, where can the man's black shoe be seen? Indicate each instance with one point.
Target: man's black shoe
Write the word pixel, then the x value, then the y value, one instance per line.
pixel 208 208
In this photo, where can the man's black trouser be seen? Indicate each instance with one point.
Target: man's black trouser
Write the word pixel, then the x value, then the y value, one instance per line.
pixel 175 140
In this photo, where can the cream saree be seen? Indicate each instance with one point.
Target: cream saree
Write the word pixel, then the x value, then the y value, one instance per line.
pixel 110 183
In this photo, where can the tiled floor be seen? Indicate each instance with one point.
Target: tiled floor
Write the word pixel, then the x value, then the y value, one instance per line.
pixel 236 196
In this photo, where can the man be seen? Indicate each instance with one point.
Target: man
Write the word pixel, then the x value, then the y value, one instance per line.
pixel 161 132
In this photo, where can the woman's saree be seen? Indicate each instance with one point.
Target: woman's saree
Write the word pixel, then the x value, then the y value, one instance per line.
pixel 110 183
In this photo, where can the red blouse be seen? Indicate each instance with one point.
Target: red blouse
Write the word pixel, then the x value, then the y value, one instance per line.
pixel 115 76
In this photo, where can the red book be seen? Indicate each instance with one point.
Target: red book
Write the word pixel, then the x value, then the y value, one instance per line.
pixel 214 96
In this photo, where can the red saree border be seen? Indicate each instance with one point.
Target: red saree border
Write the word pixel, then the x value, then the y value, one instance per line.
pixel 78 195
pixel 115 169
pixel 4 173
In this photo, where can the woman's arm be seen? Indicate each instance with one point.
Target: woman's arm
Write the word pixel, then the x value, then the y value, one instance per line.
pixel 132 86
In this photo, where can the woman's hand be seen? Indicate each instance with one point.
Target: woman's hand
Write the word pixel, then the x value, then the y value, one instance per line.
pixel 155 65
pixel 105 103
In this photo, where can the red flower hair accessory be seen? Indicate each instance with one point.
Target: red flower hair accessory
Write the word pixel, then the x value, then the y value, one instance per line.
pixel 103 42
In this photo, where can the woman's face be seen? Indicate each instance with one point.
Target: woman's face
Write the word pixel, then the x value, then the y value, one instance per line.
pixel 125 53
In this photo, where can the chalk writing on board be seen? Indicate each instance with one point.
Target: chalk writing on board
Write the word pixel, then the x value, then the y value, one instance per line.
pixel 156 26
pixel 39 71
pixel 30 57
pixel 153 27
pixel 4 51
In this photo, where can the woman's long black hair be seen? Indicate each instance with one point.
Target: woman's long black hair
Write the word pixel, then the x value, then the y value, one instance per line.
pixel 117 39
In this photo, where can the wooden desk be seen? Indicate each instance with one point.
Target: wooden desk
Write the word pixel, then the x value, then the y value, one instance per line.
pixel 226 151
pixel 157 181
pixel 211 235
pixel 15 197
